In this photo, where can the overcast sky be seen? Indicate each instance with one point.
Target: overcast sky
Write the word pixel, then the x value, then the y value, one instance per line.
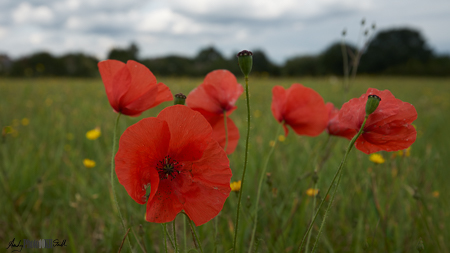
pixel 282 28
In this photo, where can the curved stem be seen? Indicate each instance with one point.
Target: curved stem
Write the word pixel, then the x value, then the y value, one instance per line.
pixel 114 148
pixel 261 179
pixel 313 209
pixel 349 148
pixel 245 165
pixel 165 240
pixel 184 231
pixel 195 234
pixel 174 230
pixel 226 130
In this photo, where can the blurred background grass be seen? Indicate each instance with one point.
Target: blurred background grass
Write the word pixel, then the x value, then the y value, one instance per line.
pixel 47 192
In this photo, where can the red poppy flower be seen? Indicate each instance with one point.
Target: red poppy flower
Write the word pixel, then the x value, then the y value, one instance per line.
pixel 177 157
pixel 388 128
pixel 218 94
pixel 334 127
pixel 301 108
pixel 131 88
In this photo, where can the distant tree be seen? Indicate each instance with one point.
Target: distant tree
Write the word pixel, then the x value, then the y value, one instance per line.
pixel 262 64
pixel 5 64
pixel 207 60
pixel 301 66
pixel 170 65
pixel 331 60
pixel 38 64
pixel 79 65
pixel 130 53
pixel 394 47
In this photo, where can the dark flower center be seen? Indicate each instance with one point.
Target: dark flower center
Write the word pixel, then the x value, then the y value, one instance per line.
pixel 168 167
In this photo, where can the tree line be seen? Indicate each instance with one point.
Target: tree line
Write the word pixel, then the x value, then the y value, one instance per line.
pixel 390 52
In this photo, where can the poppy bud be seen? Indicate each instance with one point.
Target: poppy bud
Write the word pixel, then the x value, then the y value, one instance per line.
pixel 180 99
pixel 245 60
pixel 372 103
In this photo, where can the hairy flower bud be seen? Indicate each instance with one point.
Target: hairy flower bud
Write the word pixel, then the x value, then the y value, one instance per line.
pixel 372 103
pixel 180 99
pixel 245 60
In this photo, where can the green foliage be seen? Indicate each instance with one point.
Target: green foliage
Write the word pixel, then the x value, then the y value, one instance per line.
pixel 394 47
pixel 48 193
pixel 123 55
pixel 44 64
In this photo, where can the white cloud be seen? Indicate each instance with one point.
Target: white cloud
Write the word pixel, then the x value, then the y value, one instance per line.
pixel 282 28
pixel 25 13
pixel 3 32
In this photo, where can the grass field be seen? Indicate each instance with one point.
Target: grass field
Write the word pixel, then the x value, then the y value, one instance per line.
pixel 47 192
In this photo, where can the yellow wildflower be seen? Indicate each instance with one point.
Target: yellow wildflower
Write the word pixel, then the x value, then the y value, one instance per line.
pixel 272 143
pixel 281 138
pixel 25 121
pixel 93 134
pixel 88 163
pixel 312 192
pixel 376 158
pixel 235 186
pixel 406 152
pixel 436 194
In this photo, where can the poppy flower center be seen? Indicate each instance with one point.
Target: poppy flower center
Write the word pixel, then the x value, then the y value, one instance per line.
pixel 168 167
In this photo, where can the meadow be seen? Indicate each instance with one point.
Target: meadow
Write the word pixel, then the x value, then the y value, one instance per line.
pixel 47 192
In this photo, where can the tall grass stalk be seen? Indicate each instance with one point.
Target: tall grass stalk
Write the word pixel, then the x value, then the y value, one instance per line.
pixel 114 148
pixel 258 193
pixel 245 165
pixel 349 148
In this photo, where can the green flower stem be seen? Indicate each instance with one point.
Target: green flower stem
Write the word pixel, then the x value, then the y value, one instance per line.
pixel 349 148
pixel 165 239
pixel 114 148
pixel 195 234
pixel 174 235
pixel 184 231
pixel 313 209
pixel 216 221
pixel 226 130
pixel 261 179
pixel 245 165
pixel 168 235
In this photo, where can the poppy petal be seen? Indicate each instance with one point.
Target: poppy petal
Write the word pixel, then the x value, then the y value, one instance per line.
pixel 305 111
pixel 142 103
pixel 392 137
pixel 199 99
pixel 164 94
pixel 217 123
pixel 116 78
pixel 278 102
pixel 141 147
pixel 189 130
pixel 166 204
pixel 223 87
pixel 210 187
pixel 142 80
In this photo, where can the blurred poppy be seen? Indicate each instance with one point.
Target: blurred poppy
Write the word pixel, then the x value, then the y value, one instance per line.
pixel 301 108
pixel 132 88
pixel 215 96
pixel 333 126
pixel 388 128
pixel 177 157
